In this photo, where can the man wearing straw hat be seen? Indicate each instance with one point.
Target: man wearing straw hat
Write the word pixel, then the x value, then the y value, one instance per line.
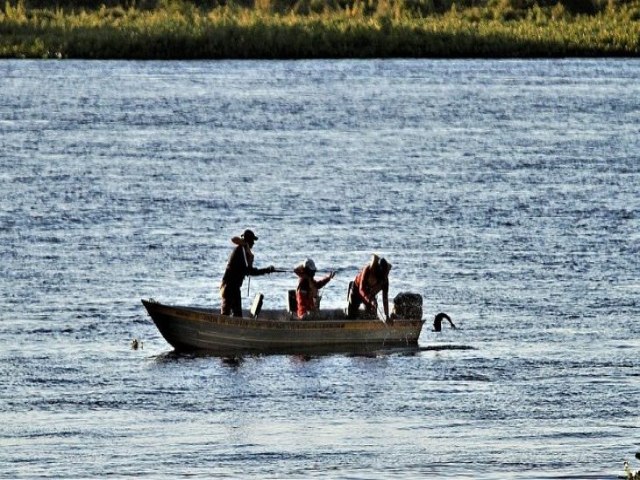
pixel 240 265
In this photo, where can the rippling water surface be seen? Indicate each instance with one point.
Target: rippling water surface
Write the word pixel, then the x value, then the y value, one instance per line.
pixel 504 192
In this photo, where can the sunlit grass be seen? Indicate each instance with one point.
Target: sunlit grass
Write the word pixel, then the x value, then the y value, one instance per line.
pixel 384 28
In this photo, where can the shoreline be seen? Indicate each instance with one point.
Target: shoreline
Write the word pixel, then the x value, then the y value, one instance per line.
pixel 182 31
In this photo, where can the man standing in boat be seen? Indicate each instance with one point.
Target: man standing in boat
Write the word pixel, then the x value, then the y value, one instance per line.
pixel 240 265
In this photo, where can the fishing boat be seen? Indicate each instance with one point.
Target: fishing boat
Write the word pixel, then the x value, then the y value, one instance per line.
pixel 188 328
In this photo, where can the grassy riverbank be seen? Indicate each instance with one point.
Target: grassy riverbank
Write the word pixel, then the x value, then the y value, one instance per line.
pixel 177 29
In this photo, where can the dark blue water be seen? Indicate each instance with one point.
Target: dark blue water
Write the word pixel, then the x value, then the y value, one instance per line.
pixel 504 192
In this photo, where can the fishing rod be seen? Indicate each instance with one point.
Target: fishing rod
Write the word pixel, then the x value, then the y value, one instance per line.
pixel 282 270
pixel 291 270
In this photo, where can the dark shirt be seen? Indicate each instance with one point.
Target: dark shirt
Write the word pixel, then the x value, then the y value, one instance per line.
pixel 240 265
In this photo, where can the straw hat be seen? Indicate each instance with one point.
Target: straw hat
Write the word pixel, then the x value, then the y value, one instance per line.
pixel 308 266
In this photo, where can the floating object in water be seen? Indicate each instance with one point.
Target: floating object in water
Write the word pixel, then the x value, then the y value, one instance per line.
pixel 136 344
pixel 630 474
pixel 437 322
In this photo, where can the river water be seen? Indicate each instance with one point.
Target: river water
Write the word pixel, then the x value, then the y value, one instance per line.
pixel 504 192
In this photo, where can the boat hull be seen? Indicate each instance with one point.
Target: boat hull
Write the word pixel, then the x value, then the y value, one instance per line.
pixel 199 329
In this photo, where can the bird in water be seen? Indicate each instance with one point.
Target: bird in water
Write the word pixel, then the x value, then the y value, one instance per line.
pixel 136 344
pixel 437 322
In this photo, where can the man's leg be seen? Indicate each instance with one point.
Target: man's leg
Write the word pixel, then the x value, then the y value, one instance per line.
pixel 225 307
pixel 354 301
pixel 236 303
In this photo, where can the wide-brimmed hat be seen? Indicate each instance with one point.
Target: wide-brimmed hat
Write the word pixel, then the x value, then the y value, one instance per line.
pixel 308 266
pixel 249 236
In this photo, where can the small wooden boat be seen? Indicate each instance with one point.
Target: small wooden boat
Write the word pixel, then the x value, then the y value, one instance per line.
pixel 278 331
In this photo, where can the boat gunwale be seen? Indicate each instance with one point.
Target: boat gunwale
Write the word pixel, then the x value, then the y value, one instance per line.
pixel 206 315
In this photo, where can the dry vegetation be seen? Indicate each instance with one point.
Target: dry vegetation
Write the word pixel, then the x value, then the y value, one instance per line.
pixel 179 29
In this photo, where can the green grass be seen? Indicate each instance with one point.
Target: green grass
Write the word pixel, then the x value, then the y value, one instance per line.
pixel 174 29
